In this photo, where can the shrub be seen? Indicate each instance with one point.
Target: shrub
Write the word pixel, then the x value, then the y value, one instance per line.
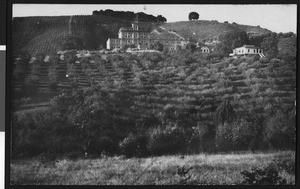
pixel 134 145
pixel 170 140
pixel 31 84
pixel 35 68
pixel 280 131
pixel 240 134
pixel 264 60
pixel 102 144
pixel 53 77
pixel 286 164
pixel 199 137
pixel 263 176
pixel 184 175
pixel 70 57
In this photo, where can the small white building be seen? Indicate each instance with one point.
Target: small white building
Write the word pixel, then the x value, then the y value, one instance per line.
pixel 112 43
pixel 205 49
pixel 247 50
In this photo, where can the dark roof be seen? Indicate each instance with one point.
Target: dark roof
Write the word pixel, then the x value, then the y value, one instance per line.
pixel 250 46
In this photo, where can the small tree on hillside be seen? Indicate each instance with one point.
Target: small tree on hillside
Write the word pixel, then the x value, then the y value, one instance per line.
pixel 193 16
pixel 157 46
pixel 191 46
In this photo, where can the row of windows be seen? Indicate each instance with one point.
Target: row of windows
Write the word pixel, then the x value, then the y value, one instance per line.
pixel 254 50
pixel 129 35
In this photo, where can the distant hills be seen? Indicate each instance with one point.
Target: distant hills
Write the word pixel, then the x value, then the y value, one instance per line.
pixel 45 34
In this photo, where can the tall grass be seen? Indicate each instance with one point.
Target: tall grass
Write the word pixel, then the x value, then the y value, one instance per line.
pixel 211 169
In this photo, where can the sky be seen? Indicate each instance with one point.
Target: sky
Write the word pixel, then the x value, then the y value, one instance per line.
pixel 277 18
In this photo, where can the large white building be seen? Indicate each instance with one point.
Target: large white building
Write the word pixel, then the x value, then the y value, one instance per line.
pixel 139 34
pixel 247 50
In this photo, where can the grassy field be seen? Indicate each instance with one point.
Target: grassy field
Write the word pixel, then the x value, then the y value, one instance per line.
pixel 210 169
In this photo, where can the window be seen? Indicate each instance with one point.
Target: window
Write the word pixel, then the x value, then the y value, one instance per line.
pixel 128 41
pixel 143 35
pixel 248 50
pixel 254 50
pixel 127 35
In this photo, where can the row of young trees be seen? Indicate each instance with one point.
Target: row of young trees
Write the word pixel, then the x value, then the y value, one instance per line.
pixel 92 121
pixel 106 117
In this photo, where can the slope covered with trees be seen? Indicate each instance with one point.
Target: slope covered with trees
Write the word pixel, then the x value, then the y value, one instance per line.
pixel 209 30
pixel 45 34
pixel 154 104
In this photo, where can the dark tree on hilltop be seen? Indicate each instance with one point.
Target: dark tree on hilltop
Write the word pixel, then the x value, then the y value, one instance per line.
pixel 95 12
pixel 160 18
pixel 128 15
pixel 193 16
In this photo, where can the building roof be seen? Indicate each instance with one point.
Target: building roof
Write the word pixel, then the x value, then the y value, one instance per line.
pixel 249 47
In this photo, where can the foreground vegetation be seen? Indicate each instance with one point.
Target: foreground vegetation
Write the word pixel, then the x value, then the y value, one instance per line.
pixel 157 104
pixel 211 169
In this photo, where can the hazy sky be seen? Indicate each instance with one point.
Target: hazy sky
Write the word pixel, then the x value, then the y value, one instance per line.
pixel 277 18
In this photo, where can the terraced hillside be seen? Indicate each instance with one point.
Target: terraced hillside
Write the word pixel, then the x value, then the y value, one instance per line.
pixel 210 30
pixel 45 34
pixel 190 83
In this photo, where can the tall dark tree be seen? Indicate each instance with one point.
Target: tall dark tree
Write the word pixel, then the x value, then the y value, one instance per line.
pixel 193 16
pixel 270 45
pixel 231 40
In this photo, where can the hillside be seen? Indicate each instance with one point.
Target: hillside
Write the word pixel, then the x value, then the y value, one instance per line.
pixel 209 30
pixel 45 34
pixel 183 80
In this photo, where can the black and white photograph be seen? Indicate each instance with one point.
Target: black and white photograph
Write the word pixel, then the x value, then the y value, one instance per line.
pixel 153 94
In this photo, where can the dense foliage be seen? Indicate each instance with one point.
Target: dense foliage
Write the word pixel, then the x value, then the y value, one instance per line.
pixel 193 16
pixel 131 15
pixel 160 103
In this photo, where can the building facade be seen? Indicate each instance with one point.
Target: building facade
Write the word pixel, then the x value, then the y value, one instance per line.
pixel 113 43
pixel 205 49
pixel 171 44
pixel 139 36
pixel 247 50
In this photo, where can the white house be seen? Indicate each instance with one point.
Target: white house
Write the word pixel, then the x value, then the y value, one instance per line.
pixel 205 49
pixel 247 50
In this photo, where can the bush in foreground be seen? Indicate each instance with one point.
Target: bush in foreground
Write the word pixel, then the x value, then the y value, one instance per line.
pixel 263 176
